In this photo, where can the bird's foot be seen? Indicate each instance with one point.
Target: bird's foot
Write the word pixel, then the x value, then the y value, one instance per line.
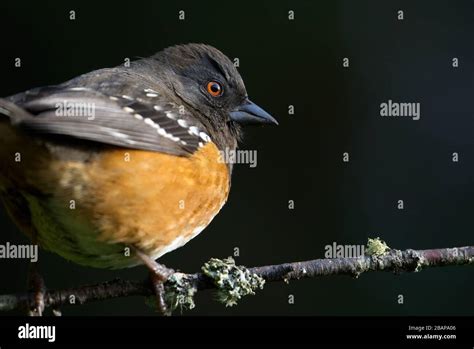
pixel 157 281
pixel 37 287
pixel 159 274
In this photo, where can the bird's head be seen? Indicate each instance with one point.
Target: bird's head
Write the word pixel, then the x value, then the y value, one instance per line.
pixel 206 80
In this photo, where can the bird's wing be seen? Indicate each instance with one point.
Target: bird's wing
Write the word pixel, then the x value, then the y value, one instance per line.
pixel 145 120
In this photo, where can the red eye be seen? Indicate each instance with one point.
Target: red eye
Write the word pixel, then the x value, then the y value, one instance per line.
pixel 214 88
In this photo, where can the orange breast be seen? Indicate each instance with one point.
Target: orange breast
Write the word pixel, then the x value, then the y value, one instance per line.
pixel 155 201
pixel 86 206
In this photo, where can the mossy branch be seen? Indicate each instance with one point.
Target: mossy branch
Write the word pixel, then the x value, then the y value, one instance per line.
pixel 233 282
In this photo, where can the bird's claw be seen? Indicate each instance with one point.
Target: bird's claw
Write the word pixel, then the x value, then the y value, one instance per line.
pixel 159 274
pixel 158 281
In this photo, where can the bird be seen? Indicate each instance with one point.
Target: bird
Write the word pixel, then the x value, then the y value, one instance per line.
pixel 119 166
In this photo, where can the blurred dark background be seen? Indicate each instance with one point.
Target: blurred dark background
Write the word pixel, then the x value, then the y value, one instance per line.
pixel 296 63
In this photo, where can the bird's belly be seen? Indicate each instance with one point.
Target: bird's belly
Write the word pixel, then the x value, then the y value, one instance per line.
pixel 156 202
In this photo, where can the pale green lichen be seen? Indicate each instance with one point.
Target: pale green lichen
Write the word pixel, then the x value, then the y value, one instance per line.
pixel 420 260
pixel 233 282
pixel 376 247
pixel 179 292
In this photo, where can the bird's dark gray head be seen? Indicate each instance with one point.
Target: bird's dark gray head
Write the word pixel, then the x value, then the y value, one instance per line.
pixel 206 80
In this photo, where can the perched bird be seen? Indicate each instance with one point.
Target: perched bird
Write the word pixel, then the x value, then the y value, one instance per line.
pixel 124 159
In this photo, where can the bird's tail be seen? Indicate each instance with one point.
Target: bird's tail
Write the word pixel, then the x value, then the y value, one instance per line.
pixel 12 111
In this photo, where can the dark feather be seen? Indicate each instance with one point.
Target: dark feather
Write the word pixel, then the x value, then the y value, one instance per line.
pixel 114 121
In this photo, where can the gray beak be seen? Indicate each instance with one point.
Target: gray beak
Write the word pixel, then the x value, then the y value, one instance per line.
pixel 248 113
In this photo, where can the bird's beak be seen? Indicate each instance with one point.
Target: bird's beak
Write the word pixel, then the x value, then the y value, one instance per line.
pixel 248 113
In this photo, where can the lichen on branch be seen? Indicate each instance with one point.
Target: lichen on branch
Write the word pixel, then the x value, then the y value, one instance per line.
pixel 233 282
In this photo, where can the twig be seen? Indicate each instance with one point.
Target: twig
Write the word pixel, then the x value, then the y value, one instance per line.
pixel 394 260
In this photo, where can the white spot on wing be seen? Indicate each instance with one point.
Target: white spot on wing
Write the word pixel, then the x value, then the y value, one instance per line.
pixel 121 136
pixel 193 130
pixel 170 115
pixel 149 121
pixel 204 137
pixel 182 123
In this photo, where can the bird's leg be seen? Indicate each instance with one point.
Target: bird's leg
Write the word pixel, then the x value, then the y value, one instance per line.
pixel 158 276
pixel 37 287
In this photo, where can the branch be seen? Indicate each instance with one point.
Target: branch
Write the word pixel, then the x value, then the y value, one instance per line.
pixel 380 260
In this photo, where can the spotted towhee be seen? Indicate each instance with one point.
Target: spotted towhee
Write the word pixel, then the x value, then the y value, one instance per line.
pixel 126 157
